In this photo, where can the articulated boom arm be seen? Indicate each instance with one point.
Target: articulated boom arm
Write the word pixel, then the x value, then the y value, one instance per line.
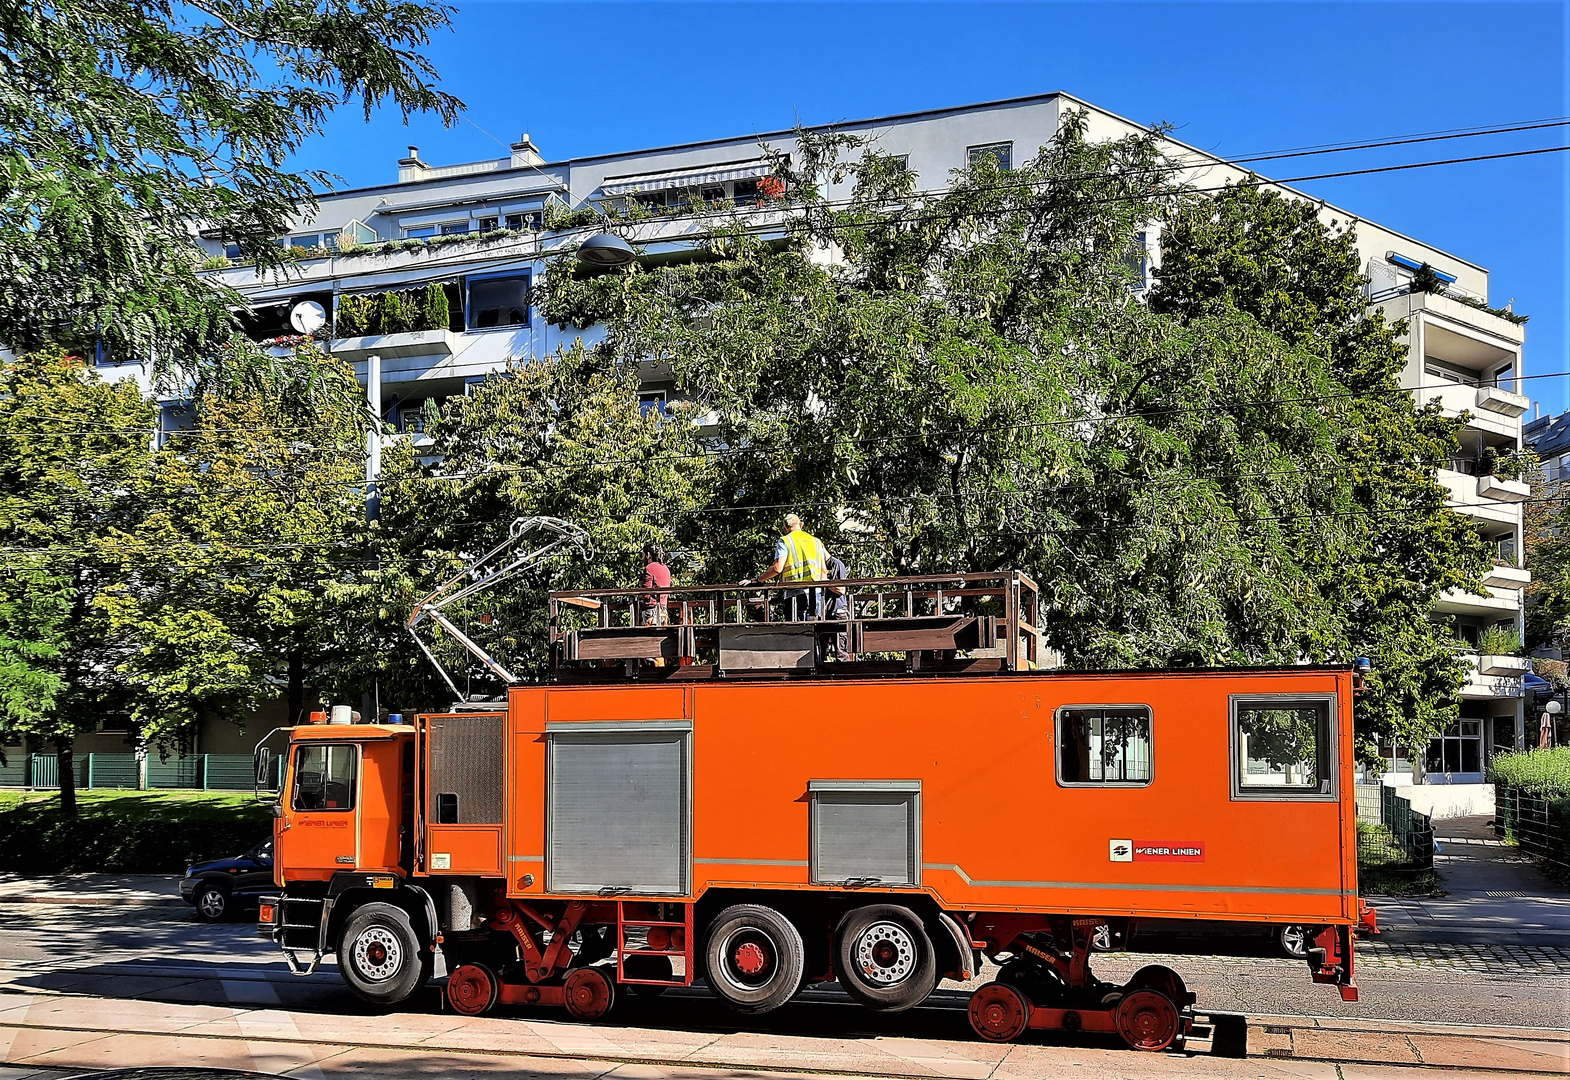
pixel 501 562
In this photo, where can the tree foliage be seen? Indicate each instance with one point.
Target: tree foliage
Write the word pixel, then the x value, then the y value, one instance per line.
pixel 76 449
pixel 124 124
pixel 1227 474
pixel 565 437
pixel 232 576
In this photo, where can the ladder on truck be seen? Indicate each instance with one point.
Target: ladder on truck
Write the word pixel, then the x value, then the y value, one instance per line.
pixel 947 623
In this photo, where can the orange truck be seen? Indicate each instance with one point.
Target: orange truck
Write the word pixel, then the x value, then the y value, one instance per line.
pixel 716 795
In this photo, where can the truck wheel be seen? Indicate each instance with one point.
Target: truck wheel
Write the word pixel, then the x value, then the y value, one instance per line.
pixel 212 903
pixel 884 958
pixel 754 960
pixel 1293 939
pixel 380 956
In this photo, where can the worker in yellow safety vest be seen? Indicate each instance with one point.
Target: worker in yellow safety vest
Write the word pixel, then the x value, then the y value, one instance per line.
pixel 798 556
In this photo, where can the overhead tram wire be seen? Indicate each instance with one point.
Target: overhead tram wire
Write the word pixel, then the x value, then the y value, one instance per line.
pixel 531 249
pixel 1158 411
pixel 353 554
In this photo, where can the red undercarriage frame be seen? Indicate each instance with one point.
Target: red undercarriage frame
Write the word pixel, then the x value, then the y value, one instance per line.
pixel 585 992
pixel 1150 1012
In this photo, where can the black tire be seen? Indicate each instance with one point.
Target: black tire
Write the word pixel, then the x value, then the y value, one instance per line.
pixel 213 903
pixel 884 958
pixel 754 960
pixel 1295 940
pixel 380 956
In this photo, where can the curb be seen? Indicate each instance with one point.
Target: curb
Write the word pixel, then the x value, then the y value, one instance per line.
pixel 93 901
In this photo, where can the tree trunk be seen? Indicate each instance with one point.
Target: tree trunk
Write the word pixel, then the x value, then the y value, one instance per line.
pixel 65 765
pixel 296 713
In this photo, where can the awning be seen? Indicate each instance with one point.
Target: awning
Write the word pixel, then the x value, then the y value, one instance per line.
pixel 686 178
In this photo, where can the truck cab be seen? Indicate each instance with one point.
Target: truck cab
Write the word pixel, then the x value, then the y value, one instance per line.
pixel 345 843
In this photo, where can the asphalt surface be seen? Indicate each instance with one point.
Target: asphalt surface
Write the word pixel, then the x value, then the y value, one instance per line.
pixel 164 953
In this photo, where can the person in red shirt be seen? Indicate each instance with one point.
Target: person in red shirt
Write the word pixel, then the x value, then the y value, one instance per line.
pixel 656 575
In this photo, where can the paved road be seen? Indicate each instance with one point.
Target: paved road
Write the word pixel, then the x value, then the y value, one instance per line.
pixel 128 958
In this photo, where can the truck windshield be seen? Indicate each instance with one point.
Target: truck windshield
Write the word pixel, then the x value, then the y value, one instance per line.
pixel 324 777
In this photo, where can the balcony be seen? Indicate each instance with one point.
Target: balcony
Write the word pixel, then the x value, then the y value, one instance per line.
pixel 1500 605
pixel 1507 577
pixel 1494 676
pixel 1503 402
pixel 1496 489
pixel 432 343
pixel 1467 495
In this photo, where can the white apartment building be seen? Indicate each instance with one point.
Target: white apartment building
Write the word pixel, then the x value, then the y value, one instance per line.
pixel 477 230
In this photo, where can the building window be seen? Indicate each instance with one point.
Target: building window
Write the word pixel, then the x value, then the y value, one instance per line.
pixel 487 224
pixel 1104 744
pixel 1002 153
pixel 232 251
pixel 455 228
pixel 313 240
pixel 419 232
pixel 533 220
pixel 1282 748
pixel 324 777
pixel 744 191
pixel 1459 750
pixel 712 193
pixel 498 301
pixel 653 401
pixel 1139 261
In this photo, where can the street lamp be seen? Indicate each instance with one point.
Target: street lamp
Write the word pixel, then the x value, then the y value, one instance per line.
pixel 606 250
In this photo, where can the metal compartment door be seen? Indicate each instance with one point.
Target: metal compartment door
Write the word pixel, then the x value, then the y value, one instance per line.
pixel 619 807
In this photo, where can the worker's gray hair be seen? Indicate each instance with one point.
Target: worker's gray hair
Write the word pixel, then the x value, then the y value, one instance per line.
pixel 792 521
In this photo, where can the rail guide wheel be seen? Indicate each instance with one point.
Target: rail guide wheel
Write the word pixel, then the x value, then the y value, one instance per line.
pixel 472 989
pixel 999 1012
pixel 1147 1020
pixel 588 994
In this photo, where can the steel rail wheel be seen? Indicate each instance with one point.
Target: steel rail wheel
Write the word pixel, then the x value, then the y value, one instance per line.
pixel 884 958
pixel 754 959
pixel 472 989
pixel 999 1012
pixel 589 993
pixel 1147 1020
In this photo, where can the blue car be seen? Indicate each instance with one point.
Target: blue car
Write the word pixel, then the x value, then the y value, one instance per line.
pixel 221 887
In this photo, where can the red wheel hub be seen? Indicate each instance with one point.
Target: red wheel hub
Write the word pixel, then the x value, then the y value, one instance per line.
pixel 1147 1020
pixel 471 990
pixel 588 994
pixel 998 1012
pixel 750 958
pixel 376 953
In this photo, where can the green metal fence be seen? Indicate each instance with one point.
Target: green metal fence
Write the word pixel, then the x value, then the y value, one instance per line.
pixel 211 772
pixel 1414 832
pixel 1540 827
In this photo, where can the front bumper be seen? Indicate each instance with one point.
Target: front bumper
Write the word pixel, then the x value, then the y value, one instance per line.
pixel 188 889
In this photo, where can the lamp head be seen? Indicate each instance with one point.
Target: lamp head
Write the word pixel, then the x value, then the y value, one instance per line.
pixel 606 249
pixel 1553 708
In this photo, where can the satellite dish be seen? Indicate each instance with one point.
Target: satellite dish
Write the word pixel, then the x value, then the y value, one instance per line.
pixel 307 317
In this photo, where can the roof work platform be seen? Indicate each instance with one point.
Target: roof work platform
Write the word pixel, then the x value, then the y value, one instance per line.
pixel 949 623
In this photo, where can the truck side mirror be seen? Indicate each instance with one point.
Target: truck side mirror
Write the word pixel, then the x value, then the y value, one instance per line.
pixel 264 758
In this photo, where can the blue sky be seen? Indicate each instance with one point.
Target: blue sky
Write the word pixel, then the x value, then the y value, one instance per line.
pixel 1233 78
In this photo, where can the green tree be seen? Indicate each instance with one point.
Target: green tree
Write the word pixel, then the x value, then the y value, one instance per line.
pixel 123 123
pixel 1228 474
pixel 1277 263
pixel 234 575
pixel 565 437
pixel 77 451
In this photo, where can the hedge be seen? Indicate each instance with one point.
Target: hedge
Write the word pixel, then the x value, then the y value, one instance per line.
pixel 126 832
pixel 1534 772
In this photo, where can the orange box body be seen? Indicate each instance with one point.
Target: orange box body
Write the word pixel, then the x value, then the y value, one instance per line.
pixel 996 830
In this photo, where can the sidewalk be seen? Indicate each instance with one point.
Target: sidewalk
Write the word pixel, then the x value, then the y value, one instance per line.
pixel 83 1032
pixel 1495 896
pixel 118 890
